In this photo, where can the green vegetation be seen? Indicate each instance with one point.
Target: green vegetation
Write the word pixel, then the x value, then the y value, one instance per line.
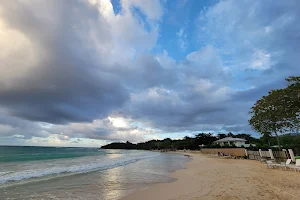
pixel 288 141
pixel 192 143
pixel 278 112
pixel 207 139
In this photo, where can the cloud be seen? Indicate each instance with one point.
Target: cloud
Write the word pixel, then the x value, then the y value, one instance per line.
pixel 206 63
pixel 152 9
pixel 182 38
pixel 81 69
pixel 186 103
pixel 70 72
pixel 65 61
pixel 259 34
pixel 245 128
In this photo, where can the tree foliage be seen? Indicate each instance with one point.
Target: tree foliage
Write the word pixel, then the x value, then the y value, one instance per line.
pixel 193 143
pixel 278 112
pixel 292 102
pixel 266 141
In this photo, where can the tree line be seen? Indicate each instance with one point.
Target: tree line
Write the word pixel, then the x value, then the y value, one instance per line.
pixel 206 139
pixel 185 143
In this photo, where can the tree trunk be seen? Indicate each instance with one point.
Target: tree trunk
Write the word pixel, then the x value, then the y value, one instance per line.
pixel 278 142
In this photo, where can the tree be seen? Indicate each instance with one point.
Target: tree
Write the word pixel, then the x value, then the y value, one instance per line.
pixel 292 102
pixel 205 138
pixel 268 114
pixel 221 136
pixel 266 137
pixel 230 134
pixel 278 112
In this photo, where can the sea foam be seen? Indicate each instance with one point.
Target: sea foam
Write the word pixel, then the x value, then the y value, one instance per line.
pixel 74 166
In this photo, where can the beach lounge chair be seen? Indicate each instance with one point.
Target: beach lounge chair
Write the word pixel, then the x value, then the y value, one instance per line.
pixel 298 164
pixel 284 165
pixel 263 160
pixel 296 167
pixel 270 164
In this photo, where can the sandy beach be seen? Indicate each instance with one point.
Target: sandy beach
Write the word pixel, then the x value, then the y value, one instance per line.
pixel 207 177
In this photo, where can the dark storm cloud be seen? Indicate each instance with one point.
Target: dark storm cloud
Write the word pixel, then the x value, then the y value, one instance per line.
pixel 67 84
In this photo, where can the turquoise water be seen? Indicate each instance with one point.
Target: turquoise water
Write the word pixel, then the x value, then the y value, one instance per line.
pixel 28 153
pixel 81 173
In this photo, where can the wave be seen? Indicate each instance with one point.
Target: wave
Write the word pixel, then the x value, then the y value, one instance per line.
pixel 3 173
pixel 75 168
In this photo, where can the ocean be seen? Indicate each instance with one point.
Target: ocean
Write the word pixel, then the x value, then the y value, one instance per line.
pixel 81 173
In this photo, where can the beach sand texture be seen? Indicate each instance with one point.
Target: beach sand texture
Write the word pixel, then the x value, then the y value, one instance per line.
pixel 208 177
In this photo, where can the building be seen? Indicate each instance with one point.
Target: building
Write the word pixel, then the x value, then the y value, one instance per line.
pixel 238 142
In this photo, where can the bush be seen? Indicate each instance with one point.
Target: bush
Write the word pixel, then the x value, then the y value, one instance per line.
pixel 265 146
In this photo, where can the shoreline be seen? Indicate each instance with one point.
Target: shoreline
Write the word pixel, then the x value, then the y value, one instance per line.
pixel 208 177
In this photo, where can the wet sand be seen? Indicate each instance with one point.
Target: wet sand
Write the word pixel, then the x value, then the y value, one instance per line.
pixel 208 177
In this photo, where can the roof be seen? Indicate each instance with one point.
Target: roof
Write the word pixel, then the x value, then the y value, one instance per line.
pixel 230 139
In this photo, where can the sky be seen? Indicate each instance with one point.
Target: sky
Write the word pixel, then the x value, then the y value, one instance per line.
pixel 90 72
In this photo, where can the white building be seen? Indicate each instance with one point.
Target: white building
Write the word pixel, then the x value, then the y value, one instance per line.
pixel 238 142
